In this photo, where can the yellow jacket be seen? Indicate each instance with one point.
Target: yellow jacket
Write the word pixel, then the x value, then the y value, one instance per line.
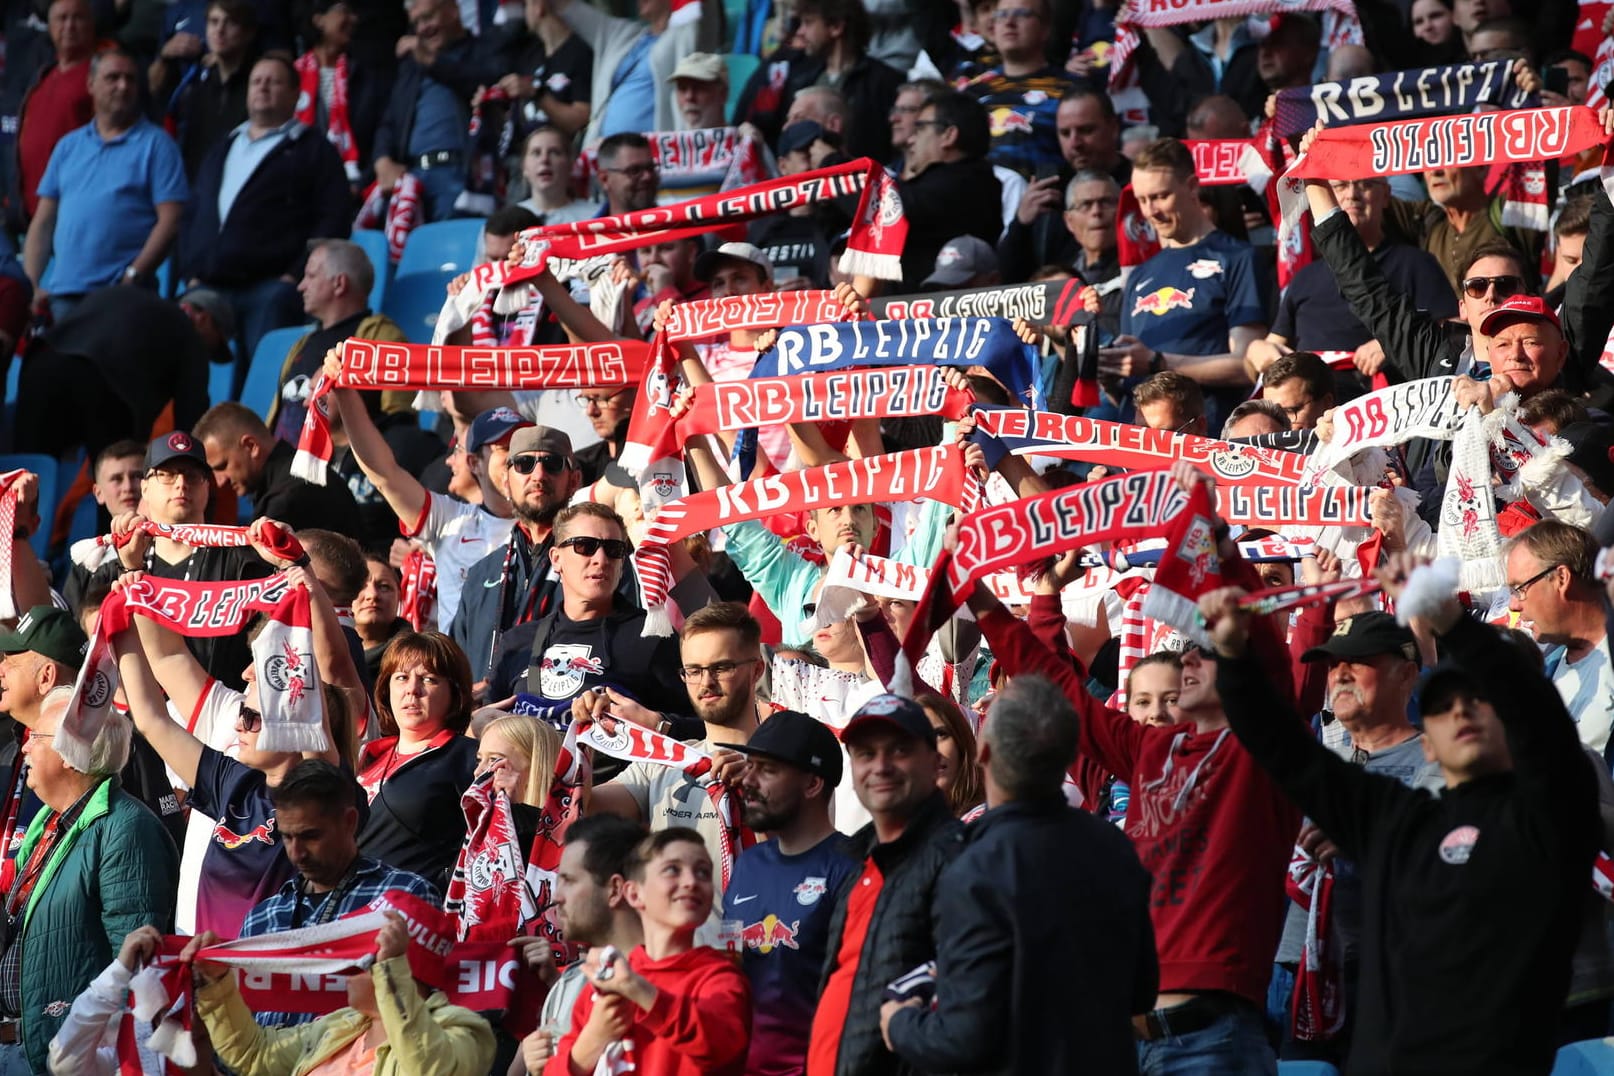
pixel 425 1037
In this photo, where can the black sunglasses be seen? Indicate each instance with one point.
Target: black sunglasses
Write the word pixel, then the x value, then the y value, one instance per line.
pixel 525 465
pixel 615 548
pixel 1506 287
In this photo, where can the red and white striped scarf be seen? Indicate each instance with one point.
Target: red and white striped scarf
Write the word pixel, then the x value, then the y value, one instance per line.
pixel 8 527
pixel 1318 1007
pixel 417 590
pixel 338 122
pixel 396 214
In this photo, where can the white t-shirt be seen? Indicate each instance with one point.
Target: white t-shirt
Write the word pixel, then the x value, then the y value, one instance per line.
pixel 458 535
pixel 1587 688
pixel 214 724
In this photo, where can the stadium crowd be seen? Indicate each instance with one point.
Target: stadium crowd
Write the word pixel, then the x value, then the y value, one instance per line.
pixel 923 536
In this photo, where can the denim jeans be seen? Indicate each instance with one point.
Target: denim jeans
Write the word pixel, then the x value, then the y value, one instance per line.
pixel 1234 1045
pixel 14 1061
pixel 441 186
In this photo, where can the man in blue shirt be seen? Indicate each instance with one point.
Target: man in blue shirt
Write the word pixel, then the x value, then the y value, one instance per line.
pixel 777 890
pixel 111 197
pixel 1198 303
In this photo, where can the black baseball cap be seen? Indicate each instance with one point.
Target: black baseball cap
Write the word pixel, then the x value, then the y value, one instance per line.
pixel 804 742
pixel 1365 635
pixel 893 711
pixel 178 445
pixel 1443 684
pixel 49 631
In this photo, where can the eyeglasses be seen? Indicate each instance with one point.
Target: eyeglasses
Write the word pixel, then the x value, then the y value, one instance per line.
pixel 526 464
pixel 586 401
pixel 1021 13
pixel 248 719
pixel 1518 589
pixel 1506 287
pixel 587 546
pixel 1088 205
pixel 175 478
pixel 1294 412
pixel 940 125
pixel 719 670
pixel 635 171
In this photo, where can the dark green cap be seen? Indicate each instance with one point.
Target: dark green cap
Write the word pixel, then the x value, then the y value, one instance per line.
pixel 50 631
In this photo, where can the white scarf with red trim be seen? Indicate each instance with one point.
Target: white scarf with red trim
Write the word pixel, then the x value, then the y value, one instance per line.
pixel 290 698
pixel 8 527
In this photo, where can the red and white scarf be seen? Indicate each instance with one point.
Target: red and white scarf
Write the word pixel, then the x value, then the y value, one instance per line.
pixel 874 247
pixel 376 364
pixel 635 743
pixel 1318 1008
pixel 1230 162
pixel 8 527
pixel 338 124
pixel 1190 567
pixel 1389 416
pixel 692 163
pixel 88 552
pixel 996 539
pixel 290 698
pixel 935 474
pixel 417 590
pixel 397 213
pixel 1136 15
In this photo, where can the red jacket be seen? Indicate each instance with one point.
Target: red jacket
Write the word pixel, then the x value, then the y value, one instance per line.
pixel 1217 857
pixel 700 1024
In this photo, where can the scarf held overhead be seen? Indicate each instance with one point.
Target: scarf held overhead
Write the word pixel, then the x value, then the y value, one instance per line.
pixel 1390 416
pixel 937 474
pixel 376 364
pixel 1399 95
pixel 874 247
pixel 1401 148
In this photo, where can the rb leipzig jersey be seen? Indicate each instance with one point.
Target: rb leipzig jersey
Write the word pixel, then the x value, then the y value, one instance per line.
pixel 1022 112
pixel 1185 300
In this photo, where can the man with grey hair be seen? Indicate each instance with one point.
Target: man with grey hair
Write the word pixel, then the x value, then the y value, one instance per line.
pixel 1083 238
pixel 336 293
pixel 1008 996
pixel 1252 418
pixel 94 865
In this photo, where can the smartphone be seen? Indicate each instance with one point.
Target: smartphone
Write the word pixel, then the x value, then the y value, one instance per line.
pixel 1556 81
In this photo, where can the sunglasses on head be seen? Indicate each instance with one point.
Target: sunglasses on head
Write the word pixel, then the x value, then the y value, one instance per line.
pixel 526 464
pixel 615 548
pixel 1506 287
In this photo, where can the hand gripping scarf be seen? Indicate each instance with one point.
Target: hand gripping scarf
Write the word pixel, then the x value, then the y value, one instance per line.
pixel 934 474
pixel 1399 95
pixel 874 247
pixel 375 364
pixel 290 698
pixel 995 539
pixel 635 743
pixel 87 552
pixel 1390 416
pixel 1135 15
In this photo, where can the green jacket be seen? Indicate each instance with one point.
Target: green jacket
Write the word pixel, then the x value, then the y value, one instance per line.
pixel 114 870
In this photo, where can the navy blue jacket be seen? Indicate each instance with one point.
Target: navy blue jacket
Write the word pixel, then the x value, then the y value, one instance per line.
pixel 299 192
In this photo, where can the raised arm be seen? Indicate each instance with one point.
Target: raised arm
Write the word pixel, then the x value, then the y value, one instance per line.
pixel 178 748
pixel 403 492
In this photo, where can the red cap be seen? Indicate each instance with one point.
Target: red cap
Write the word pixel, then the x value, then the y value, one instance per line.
pixel 1519 308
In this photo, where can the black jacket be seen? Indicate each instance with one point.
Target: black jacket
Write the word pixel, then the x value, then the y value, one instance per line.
pixel 943 202
pixel 1472 901
pixel 902 931
pixel 462 67
pixel 869 86
pixel 285 498
pixel 299 192
pixel 1021 990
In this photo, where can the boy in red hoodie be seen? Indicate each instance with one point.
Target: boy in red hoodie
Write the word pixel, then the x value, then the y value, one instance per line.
pixel 680 1008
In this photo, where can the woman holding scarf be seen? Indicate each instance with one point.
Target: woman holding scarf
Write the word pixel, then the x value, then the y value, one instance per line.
pixel 336 95
pixel 415 776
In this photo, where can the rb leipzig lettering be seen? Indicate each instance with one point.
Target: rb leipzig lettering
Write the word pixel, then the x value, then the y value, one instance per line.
pixel 379 364
pixel 942 339
pixel 1458 141
pixel 901 391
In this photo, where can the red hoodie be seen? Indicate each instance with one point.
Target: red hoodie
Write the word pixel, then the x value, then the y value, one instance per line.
pixel 1208 824
pixel 700 1024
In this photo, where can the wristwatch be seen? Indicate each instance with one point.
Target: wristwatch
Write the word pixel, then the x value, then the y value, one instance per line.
pixel 131 275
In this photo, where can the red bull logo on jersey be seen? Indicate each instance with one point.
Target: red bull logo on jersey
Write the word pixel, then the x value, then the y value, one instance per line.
pixel 770 934
pixel 263 833
pixel 1162 301
pixel 564 667
pixel 1007 121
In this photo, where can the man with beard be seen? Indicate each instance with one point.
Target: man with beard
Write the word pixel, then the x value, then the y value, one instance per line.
pixel 1372 670
pixel 514 584
pixel 777 888
pixel 592 902
pixel 721 651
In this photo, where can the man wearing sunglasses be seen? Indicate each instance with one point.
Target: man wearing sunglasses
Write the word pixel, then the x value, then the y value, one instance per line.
pixel 515 582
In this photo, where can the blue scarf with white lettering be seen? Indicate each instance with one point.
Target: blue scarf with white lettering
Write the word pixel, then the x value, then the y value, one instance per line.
pixel 1399 95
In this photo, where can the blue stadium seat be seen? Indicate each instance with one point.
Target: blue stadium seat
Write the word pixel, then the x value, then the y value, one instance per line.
pixel 50 490
pixel 1590 1057
pixel 375 245
pixel 1306 1068
pixel 263 376
pixel 414 300
pixel 220 375
pixel 741 67
pixel 449 246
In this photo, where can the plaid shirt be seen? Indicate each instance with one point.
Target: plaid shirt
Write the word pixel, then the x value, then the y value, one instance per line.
pixel 291 909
